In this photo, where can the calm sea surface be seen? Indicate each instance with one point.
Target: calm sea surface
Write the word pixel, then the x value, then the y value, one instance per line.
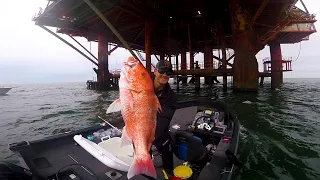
pixel 280 130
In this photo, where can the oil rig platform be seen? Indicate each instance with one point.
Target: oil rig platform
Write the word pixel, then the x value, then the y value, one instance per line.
pixel 181 28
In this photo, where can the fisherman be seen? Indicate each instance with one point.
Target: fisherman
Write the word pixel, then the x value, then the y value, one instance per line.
pixel 167 99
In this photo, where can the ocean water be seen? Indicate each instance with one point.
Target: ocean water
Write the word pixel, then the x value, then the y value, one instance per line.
pixel 280 129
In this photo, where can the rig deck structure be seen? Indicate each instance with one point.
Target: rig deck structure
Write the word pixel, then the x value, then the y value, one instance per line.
pixel 166 28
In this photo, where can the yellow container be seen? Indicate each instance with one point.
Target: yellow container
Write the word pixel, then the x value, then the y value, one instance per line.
pixel 183 172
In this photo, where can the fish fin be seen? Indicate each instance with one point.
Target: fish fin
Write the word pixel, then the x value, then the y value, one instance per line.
pixel 114 107
pixel 142 166
pixel 125 140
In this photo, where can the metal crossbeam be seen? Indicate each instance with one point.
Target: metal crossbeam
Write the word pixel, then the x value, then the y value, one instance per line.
pixel 83 47
pixel 126 45
pixel 259 11
pixel 114 48
pixel 48 30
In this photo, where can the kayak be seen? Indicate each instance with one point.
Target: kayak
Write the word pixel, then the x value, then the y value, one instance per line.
pixel 204 137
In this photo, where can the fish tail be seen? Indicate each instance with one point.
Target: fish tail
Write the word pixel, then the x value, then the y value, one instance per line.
pixel 142 166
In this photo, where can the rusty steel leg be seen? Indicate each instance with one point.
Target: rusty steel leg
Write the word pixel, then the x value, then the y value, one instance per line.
pixel 276 65
pixel 162 56
pixel 177 68
pixel 103 70
pixel 245 66
pixel 184 65
pixel 224 64
pixel 261 81
pixel 190 48
pixel 183 59
pixel 208 63
pixel 197 83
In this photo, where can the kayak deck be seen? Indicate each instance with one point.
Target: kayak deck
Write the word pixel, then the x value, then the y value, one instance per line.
pixel 61 153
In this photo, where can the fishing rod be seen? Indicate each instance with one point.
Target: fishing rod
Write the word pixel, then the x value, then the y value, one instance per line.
pixel 110 124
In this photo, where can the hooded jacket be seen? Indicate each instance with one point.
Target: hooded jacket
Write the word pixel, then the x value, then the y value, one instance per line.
pixel 167 99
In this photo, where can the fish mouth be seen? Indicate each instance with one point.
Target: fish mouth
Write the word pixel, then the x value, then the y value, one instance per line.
pixel 132 60
pixel 130 65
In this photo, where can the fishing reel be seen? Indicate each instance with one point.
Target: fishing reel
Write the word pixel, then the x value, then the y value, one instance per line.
pixel 205 126
pixel 204 120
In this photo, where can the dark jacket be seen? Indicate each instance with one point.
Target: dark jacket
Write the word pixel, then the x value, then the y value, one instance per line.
pixel 167 99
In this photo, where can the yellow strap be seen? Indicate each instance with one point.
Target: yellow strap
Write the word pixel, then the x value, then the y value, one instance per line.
pixel 165 174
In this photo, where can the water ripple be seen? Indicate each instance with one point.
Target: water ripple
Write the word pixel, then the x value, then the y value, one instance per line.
pixel 279 132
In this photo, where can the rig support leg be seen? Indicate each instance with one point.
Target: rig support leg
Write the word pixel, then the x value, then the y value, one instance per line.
pixel 276 65
pixel 184 79
pixel 197 82
pixel 245 67
pixel 261 81
pixel 208 63
pixel 190 49
pixel 103 69
pixel 224 65
pixel 162 56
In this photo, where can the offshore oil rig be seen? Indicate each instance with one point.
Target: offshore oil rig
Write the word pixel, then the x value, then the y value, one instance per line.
pixel 177 28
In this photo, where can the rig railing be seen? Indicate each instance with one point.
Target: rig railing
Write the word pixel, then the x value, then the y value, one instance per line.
pixel 286 64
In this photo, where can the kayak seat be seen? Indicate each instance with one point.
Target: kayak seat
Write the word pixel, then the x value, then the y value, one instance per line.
pixel 112 145
pixel 188 147
pixel 108 152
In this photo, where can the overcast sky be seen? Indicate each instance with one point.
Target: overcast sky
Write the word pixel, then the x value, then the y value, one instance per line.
pixel 28 54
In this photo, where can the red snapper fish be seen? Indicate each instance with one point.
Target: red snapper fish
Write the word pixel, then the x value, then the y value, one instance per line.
pixel 139 105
